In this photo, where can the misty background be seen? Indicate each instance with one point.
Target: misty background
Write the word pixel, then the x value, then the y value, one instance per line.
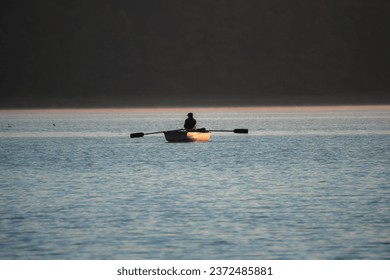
pixel 193 53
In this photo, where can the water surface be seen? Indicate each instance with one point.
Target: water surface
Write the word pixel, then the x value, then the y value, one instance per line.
pixel 303 184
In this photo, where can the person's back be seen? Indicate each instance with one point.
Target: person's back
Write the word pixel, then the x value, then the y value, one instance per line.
pixel 190 123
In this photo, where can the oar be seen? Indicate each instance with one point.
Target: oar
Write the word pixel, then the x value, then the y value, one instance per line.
pixel 141 134
pixel 237 130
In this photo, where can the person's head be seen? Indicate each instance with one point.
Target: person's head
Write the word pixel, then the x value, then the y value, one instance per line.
pixel 190 115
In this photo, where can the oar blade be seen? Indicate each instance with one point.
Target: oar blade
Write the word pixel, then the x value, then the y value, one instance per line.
pixel 241 130
pixel 136 135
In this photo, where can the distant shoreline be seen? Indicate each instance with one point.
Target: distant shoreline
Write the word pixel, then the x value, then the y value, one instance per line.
pixel 197 109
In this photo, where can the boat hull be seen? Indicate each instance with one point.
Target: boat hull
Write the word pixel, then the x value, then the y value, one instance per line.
pixel 187 136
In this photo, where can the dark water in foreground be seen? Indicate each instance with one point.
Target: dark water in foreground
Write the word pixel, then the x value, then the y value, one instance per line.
pixel 301 185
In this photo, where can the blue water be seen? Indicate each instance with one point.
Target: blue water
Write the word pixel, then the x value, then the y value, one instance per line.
pixel 301 185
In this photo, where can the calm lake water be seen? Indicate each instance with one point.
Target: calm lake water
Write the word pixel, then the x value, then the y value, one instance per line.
pixel 303 184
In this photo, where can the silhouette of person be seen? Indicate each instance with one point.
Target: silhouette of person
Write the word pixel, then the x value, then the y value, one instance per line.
pixel 190 123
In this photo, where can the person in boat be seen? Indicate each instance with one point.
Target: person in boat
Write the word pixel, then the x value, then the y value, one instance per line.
pixel 190 123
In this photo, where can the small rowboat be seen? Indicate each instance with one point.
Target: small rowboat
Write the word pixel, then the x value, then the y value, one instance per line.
pixel 187 136
pixel 182 135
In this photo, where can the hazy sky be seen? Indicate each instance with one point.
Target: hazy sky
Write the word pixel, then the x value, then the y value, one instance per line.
pixel 194 53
